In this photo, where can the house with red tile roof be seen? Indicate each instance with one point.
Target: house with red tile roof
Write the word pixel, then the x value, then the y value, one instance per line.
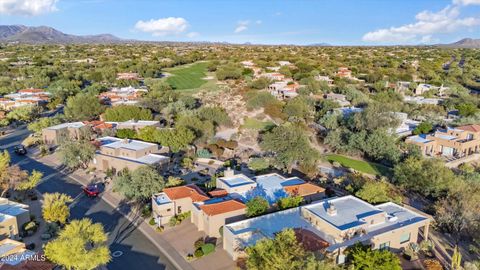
pixel 24 97
pixel 122 96
pixel 211 215
pixel 174 201
pixel 227 202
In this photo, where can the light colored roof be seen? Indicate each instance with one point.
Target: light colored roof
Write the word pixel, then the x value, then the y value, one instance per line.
pixel 161 198
pixel 445 137
pixel 271 186
pixel 237 180
pixel 138 122
pixel 151 158
pixel 350 211
pixel 11 208
pixel 419 139
pixel 68 125
pixel 113 142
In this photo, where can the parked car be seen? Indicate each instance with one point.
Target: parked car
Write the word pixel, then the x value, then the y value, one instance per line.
pixel 91 190
pixel 20 150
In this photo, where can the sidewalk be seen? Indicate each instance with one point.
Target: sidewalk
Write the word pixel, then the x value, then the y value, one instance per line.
pixel 117 202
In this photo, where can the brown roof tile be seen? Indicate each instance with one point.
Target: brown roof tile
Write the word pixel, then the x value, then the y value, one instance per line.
pixel 192 191
pixel 472 128
pixel 222 207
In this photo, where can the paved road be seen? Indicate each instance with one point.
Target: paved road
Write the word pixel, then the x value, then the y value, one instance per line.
pixel 138 251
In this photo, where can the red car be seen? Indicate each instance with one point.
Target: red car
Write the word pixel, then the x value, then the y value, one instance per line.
pixel 91 190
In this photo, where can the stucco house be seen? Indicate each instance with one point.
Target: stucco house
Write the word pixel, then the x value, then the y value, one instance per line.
pixel 12 217
pixel 450 142
pixel 175 200
pixel 117 154
pixel 332 225
pixel 211 215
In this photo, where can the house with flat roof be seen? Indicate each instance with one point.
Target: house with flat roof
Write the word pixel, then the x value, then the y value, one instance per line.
pixel 332 225
pixel 450 142
pixel 24 97
pixel 284 89
pixel 56 134
pixel 406 125
pixel 339 98
pixel 137 124
pixel 271 187
pixel 118 154
pixel 227 201
pixel 326 79
pixel 122 96
pixel 12 217
pixel 208 214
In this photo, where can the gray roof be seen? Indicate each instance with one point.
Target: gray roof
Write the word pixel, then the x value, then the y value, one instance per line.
pixel 350 211
pixel 67 125
pixel 113 142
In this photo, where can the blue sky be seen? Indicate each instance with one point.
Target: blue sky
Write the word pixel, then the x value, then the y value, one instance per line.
pixel 339 22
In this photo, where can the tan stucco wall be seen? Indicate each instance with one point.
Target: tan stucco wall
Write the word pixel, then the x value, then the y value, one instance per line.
pixel 212 224
pixel 103 163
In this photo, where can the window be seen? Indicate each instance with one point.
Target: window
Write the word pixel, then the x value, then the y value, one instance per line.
pixel 385 246
pixel 168 210
pixel 405 237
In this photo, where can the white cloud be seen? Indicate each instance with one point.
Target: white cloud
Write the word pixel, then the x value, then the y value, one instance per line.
pixel 241 26
pixel 163 27
pixel 27 7
pixel 258 22
pixel 466 2
pixel 427 24
pixel 193 34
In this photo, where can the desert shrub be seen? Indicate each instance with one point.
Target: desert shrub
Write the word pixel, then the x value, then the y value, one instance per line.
pixel 208 248
pixel 152 221
pixel 198 253
pixel 199 243
pixel 30 226
pixel 204 153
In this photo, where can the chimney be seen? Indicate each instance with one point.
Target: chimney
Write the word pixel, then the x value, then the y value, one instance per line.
pixel 228 172
pixel 331 210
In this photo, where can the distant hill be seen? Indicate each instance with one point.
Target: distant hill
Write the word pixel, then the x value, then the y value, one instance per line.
pixel 319 45
pixel 45 34
pixel 464 43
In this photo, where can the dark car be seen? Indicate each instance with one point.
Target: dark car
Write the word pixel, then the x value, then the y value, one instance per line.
pixel 20 150
pixel 91 190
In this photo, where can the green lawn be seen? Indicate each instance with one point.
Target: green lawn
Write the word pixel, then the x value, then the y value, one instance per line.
pixel 188 77
pixel 252 123
pixel 359 165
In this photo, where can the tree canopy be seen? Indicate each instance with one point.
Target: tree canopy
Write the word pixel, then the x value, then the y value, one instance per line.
pixel 139 184
pixel 83 107
pixel 123 113
pixel 81 245
pixel 290 145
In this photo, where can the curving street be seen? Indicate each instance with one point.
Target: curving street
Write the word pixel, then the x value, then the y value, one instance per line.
pixel 137 252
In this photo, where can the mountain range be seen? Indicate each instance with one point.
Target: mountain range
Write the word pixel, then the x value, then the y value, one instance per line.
pixel 464 43
pixel 49 35
pixel 45 34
